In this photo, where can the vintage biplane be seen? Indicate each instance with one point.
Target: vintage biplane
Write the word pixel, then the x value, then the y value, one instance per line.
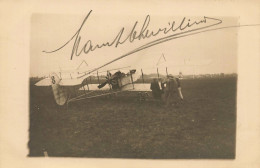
pixel 70 86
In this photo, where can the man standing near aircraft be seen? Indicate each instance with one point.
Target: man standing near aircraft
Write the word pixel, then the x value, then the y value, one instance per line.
pixel 172 91
pixel 156 91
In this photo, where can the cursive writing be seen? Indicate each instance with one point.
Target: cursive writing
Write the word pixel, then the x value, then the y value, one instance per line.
pixel 143 33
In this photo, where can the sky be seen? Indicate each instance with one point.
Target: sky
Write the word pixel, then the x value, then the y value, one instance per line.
pixel 204 53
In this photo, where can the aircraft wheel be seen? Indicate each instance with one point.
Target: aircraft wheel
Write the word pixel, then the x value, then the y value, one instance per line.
pixel 142 96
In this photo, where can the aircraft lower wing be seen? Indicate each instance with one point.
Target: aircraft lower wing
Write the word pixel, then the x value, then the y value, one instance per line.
pixel 129 87
pixel 71 82
pixel 137 87
pixel 92 87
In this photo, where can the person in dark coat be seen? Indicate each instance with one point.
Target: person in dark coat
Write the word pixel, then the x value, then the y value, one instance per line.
pixel 156 91
pixel 172 91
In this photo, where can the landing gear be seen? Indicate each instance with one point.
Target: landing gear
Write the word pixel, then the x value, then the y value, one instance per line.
pixel 142 96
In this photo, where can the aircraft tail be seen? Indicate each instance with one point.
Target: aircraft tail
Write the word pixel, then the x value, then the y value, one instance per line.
pixel 59 92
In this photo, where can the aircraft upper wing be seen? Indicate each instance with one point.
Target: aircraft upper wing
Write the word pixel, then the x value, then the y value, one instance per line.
pixel 63 82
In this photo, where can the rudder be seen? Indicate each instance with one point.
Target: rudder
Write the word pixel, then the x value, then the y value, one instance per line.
pixel 59 92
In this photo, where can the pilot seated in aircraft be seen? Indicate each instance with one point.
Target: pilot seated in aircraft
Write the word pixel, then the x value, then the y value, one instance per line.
pixel 113 80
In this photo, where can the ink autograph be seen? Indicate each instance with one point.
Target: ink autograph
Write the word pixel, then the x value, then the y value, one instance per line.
pixel 134 34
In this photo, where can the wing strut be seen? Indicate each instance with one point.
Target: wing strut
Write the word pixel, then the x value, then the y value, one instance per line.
pixel 142 75
pixel 98 78
pixel 84 88
pixel 87 83
pixel 108 79
pixel 132 79
pixel 158 74
pixel 90 80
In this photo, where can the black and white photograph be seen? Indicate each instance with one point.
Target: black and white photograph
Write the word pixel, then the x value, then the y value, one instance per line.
pixel 154 87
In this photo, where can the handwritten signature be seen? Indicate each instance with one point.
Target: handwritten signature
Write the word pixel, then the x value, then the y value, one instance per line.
pixel 143 33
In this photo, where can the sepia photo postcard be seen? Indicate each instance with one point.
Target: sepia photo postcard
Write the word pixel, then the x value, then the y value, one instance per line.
pixel 130 84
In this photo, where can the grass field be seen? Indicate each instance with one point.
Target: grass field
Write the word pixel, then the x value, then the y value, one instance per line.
pixel 202 126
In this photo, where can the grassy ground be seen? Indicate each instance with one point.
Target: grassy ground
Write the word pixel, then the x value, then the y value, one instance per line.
pixel 203 126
